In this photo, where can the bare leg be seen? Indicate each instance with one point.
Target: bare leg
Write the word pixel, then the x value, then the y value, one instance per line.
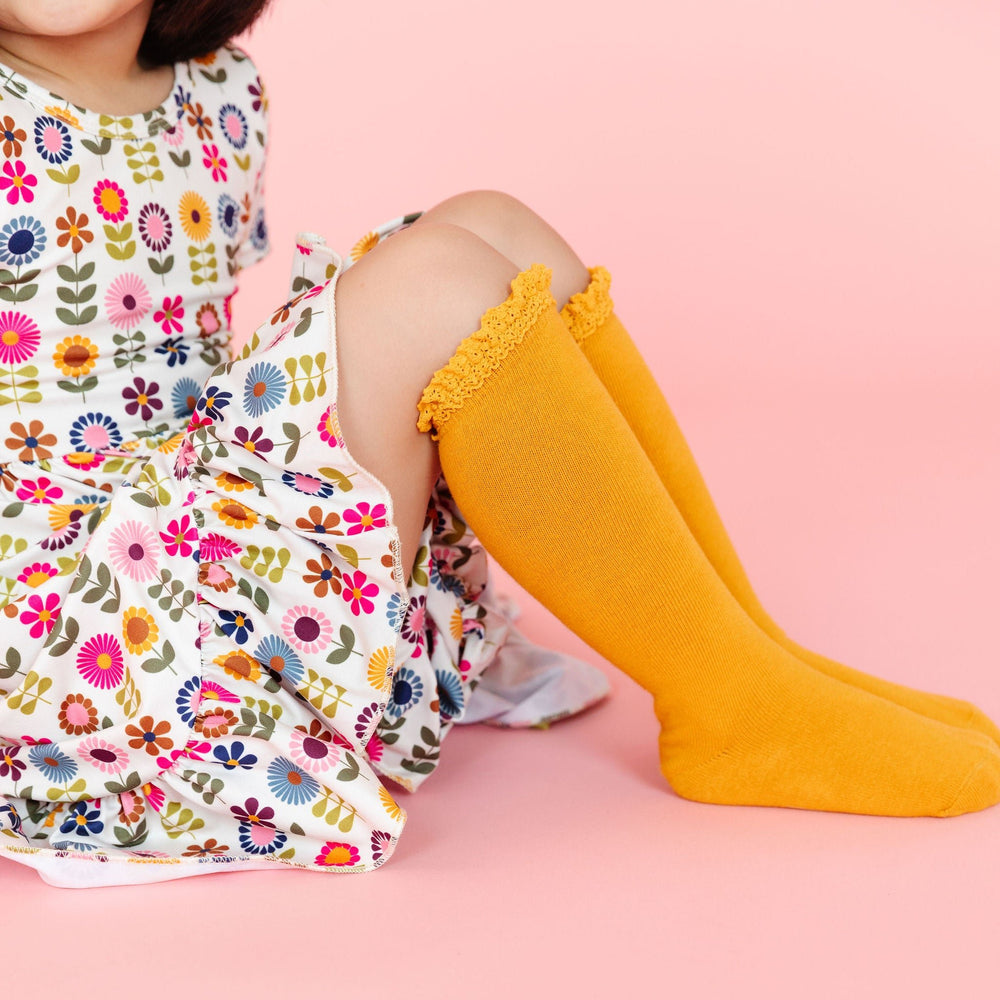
pixel 515 231
pixel 401 311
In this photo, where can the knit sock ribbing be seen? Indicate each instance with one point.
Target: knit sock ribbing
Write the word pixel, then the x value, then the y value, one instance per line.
pixel 549 475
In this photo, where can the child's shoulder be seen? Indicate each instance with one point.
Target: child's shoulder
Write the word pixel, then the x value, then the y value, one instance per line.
pixel 228 70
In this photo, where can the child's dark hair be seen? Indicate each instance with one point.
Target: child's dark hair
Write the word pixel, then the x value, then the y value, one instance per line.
pixel 184 29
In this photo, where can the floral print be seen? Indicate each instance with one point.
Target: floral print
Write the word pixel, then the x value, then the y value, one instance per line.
pixel 210 653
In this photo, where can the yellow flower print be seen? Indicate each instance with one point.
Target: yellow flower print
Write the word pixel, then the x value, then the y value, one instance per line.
pixel 240 665
pixel 366 243
pixel 232 483
pixel 380 668
pixel 195 215
pixel 64 115
pixel 139 630
pixel 233 513
pixel 75 356
pixel 389 804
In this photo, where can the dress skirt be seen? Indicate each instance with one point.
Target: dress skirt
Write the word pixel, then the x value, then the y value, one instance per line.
pixel 217 656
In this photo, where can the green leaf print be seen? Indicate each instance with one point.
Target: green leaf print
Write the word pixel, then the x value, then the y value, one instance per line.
pixel 259 561
pixel 68 176
pixel 119 245
pixel 129 696
pixel 177 819
pixel 315 381
pixel 144 162
pixel 204 265
pixel 344 650
pixel 26 698
pixel 11 664
pixel 22 384
pixel 342 480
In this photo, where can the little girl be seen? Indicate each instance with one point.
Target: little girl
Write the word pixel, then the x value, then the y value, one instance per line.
pixel 238 593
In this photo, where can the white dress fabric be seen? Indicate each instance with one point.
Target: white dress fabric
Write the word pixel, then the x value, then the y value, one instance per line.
pixel 209 656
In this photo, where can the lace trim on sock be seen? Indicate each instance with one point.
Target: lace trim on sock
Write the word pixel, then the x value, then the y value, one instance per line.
pixel 501 328
pixel 587 310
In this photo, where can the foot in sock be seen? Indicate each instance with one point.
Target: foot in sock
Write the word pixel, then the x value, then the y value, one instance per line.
pixel 617 362
pixel 551 478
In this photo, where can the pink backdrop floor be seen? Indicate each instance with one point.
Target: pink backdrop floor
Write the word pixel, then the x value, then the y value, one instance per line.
pixel 799 206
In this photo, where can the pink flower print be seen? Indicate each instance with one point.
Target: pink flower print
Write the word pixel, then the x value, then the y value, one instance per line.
pixel 180 536
pixel 174 135
pixel 110 201
pixel 38 490
pixel 104 756
pixel 134 550
pixel 155 796
pixel 358 594
pixel 215 162
pixel 329 427
pixel 17 183
pixel 210 691
pixel 100 661
pixel 41 615
pixel 364 517
pixel 169 315
pixel 127 301
pixel 334 853
pixel 374 748
pixel 19 338
pixel 37 574
pixel 303 249
pixel 215 546
pixel 307 629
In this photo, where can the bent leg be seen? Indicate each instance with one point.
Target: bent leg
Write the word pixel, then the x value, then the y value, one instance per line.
pixel 401 311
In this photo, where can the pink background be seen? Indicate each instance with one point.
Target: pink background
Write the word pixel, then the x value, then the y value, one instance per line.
pixel 798 203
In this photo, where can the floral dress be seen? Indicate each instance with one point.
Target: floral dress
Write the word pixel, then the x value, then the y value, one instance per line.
pixel 209 653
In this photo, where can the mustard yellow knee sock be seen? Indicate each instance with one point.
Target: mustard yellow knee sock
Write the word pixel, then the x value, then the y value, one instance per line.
pixel 614 357
pixel 549 475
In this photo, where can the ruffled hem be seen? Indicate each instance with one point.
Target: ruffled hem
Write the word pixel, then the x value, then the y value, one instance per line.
pixel 480 354
pixel 586 311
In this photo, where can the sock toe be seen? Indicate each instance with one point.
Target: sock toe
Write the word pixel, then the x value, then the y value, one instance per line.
pixel 980 790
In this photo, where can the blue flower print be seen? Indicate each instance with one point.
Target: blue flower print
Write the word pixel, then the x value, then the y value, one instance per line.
pixel 213 401
pixel 235 756
pixel 229 214
pixel 290 783
pixel 175 349
pixel 233 123
pixel 236 625
pixel 184 397
pixel 81 820
pixel 407 688
pixel 52 139
pixel 394 611
pixel 94 431
pixel 450 696
pixel 258 232
pixel 52 762
pixel 264 388
pixel 22 241
pixel 274 654
pixel 188 700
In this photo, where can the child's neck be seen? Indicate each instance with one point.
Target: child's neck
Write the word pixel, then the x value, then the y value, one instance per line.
pixel 99 69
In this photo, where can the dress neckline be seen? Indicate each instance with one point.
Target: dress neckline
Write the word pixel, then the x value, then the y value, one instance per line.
pixel 137 125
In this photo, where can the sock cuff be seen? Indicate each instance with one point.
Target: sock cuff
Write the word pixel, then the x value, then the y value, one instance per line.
pixel 586 311
pixel 501 328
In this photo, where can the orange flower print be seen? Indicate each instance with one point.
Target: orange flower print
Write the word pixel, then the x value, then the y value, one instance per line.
pixel 199 120
pixel 318 523
pixel 34 444
pixel 234 514
pixel 215 721
pixel 239 665
pixel 324 576
pixel 77 715
pixel 72 227
pixel 150 736
pixel 11 136
pixel 75 356
pixel 367 242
